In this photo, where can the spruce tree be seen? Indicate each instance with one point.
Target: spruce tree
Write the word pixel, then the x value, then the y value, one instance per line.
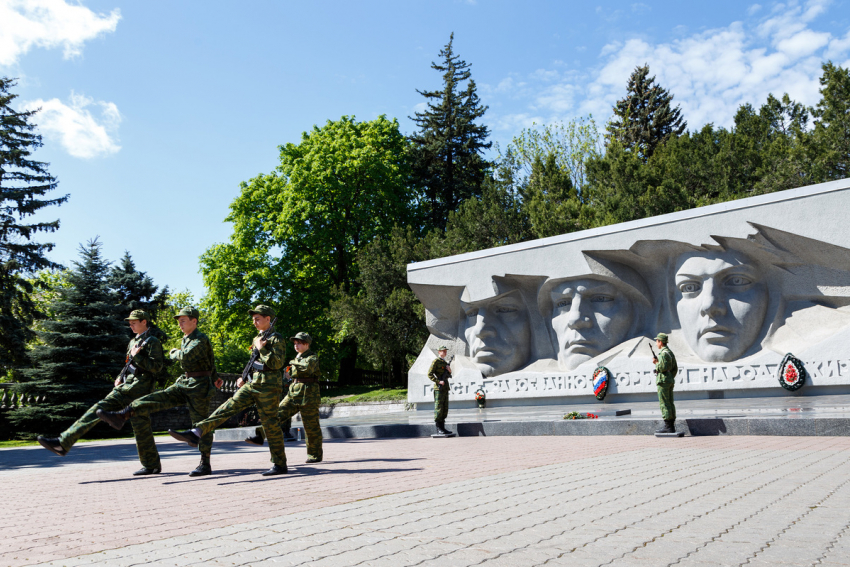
pixel 645 119
pixel 831 136
pixel 23 184
pixel 448 162
pixel 83 351
pixel 134 289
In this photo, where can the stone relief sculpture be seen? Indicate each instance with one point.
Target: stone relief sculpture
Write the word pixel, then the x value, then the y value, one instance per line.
pixel 540 319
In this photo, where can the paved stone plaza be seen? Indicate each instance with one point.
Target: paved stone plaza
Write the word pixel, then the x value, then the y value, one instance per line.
pixel 620 500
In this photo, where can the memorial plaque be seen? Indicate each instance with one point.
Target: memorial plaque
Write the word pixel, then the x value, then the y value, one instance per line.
pixel 736 286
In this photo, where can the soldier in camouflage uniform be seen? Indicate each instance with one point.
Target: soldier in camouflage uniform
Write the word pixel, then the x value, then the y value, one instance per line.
pixel 439 373
pixel 665 378
pixel 145 360
pixel 195 389
pixel 263 391
pixel 304 396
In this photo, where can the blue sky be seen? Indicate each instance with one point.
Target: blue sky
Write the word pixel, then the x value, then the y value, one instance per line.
pixel 154 112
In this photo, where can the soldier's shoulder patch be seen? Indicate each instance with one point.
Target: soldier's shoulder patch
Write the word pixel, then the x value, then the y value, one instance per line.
pixel 601 378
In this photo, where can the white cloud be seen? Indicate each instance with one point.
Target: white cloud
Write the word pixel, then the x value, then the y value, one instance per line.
pixel 25 24
pixel 75 128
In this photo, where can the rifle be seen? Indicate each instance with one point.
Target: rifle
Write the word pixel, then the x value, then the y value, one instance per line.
pixel 446 373
pixel 129 364
pixel 255 354
pixel 653 356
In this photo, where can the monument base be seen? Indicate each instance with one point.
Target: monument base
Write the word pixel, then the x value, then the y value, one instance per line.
pixel 676 434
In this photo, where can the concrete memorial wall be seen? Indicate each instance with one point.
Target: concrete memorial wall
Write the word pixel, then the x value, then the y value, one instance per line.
pixel 735 285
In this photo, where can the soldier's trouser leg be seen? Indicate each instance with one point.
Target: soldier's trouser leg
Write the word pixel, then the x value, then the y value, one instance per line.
pixel 286 409
pixel 200 392
pixel 172 396
pixel 114 401
pixel 267 400
pixel 665 400
pixel 312 429
pixel 441 405
pixel 243 398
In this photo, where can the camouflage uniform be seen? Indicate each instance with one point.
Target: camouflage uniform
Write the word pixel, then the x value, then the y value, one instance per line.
pixel 304 396
pixel 195 389
pixel 139 381
pixel 436 372
pixel 264 390
pixel 665 378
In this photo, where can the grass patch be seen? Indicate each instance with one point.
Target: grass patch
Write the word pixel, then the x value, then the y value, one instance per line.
pixel 31 442
pixel 355 394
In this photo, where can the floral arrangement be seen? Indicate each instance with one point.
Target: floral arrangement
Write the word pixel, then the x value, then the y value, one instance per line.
pixel 577 415
pixel 601 377
pixel 792 374
pixel 479 395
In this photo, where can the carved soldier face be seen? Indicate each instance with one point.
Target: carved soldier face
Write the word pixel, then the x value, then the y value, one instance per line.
pixel 721 302
pixel 588 317
pixel 498 333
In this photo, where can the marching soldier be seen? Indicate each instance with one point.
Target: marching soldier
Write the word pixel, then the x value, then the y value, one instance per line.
pixel 144 361
pixel 665 378
pixel 439 373
pixel 304 396
pixel 194 389
pixel 263 390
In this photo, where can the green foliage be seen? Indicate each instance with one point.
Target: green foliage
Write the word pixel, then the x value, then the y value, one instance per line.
pixel 83 350
pixel 645 119
pixel 297 231
pixel 448 147
pixel 831 137
pixel 554 204
pixel 23 184
pixel 360 394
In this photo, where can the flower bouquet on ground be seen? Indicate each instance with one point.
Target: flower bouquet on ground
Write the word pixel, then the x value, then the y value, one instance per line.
pixel 577 415
pixel 481 398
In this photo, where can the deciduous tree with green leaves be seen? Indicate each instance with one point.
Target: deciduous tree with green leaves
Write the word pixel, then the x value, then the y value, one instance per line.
pixel 297 231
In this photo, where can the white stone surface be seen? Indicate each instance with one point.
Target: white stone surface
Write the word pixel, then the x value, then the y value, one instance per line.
pixel 735 285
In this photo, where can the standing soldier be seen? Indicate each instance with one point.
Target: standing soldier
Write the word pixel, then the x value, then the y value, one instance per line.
pixel 439 373
pixel 665 378
pixel 304 396
pixel 263 390
pixel 144 361
pixel 194 389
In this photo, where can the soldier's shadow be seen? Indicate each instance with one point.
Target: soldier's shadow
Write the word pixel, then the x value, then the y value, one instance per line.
pixel 314 471
pixel 135 478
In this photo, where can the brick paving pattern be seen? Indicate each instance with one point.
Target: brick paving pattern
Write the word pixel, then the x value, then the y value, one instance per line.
pixel 489 501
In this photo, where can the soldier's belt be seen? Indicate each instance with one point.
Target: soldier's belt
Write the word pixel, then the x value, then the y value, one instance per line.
pixel 305 380
pixel 200 373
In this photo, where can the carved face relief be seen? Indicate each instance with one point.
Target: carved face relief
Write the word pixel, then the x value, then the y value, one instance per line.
pixel 498 333
pixel 721 301
pixel 588 317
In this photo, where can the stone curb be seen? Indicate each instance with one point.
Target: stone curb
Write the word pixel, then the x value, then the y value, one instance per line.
pixel 813 427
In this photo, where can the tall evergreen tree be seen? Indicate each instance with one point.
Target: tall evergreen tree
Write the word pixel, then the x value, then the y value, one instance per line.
pixel 83 351
pixel 23 184
pixel 831 135
pixel 134 289
pixel 645 119
pixel 448 147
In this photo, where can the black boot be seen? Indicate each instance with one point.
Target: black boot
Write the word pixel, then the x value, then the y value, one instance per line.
pixel 275 470
pixel 204 467
pixel 52 444
pixel 188 436
pixel 116 419
pixel 255 440
pixel 669 427
pixel 144 471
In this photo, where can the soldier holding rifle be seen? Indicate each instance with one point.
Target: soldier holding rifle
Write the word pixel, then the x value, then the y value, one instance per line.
pixel 194 389
pixel 144 360
pixel 260 385
pixel 439 373
pixel 665 378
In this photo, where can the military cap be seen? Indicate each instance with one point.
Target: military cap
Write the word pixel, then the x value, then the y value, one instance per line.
pixel 138 315
pixel 662 337
pixel 189 312
pixel 442 347
pixel 263 310
pixel 302 336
